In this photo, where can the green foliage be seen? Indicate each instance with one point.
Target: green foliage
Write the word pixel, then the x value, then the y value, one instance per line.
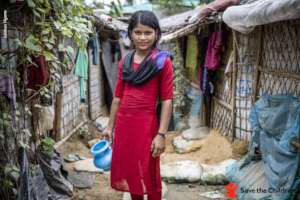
pixel 47 144
pixel 116 9
pixel 54 20
pixel 170 4
pixel 12 172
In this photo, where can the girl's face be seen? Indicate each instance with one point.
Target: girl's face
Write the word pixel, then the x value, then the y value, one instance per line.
pixel 143 37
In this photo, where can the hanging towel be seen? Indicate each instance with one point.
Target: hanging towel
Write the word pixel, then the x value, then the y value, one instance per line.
pixel 214 50
pixel 81 70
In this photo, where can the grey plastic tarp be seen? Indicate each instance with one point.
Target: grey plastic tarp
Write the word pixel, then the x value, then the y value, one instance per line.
pixel 275 123
pixel 244 18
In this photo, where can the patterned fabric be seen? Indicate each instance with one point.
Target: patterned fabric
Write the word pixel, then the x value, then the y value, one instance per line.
pixel 150 66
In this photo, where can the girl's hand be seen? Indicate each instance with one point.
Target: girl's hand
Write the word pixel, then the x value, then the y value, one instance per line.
pixel 158 145
pixel 107 134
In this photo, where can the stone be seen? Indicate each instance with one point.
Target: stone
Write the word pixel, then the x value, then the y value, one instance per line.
pixel 184 146
pixel 185 171
pixel 81 179
pixel 215 174
pixel 86 166
pixel 195 133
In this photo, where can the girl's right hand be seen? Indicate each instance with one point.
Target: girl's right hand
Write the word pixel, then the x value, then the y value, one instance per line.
pixel 108 134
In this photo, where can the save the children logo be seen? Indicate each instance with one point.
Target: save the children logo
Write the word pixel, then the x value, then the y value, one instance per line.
pixel 231 190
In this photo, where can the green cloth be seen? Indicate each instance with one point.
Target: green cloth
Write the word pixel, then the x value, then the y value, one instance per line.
pixel 81 70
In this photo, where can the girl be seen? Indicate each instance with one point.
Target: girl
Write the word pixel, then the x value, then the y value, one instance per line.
pixel 145 75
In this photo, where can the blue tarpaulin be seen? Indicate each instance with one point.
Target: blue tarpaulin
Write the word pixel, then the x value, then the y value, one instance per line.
pixel 275 122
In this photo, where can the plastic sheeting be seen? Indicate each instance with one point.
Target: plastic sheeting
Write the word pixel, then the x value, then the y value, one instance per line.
pixel 275 123
pixel 243 18
pixel 45 181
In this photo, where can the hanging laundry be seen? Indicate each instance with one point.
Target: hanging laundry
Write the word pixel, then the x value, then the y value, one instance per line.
pixel 206 85
pixel 37 75
pixel 94 45
pixel 81 70
pixel 214 50
pixel 7 88
pixel 115 49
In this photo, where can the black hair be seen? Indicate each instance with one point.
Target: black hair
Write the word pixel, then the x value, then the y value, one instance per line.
pixel 146 18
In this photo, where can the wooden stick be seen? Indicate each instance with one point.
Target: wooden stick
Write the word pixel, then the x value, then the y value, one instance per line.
pixel 58 144
pixel 233 89
pixel 182 32
pixel 57 117
pixel 257 70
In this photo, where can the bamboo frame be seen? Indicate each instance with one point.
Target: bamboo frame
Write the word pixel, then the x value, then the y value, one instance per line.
pixel 233 89
pixel 183 32
pixel 280 74
pixel 223 103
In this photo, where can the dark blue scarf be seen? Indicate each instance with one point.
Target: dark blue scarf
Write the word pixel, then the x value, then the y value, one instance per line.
pixel 152 64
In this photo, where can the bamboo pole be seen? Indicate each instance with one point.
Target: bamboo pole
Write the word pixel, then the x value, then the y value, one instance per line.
pixel 257 68
pixel 58 144
pixel 233 89
pixel 57 116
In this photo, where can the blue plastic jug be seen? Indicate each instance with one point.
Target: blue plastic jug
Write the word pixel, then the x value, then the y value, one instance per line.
pixel 102 154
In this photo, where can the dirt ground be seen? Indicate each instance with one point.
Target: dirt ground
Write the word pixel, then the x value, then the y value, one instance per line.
pixel 101 189
pixel 214 149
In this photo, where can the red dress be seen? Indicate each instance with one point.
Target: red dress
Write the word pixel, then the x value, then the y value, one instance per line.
pixel 133 168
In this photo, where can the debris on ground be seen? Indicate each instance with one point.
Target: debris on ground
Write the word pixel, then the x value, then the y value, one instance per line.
pixel 215 148
pixel 51 163
pixel 213 195
pixel 101 123
pixel 73 157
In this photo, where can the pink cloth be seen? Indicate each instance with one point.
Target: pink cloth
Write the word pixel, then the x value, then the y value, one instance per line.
pixel 214 50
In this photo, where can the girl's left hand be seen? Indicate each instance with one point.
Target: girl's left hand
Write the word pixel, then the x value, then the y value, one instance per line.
pixel 158 146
